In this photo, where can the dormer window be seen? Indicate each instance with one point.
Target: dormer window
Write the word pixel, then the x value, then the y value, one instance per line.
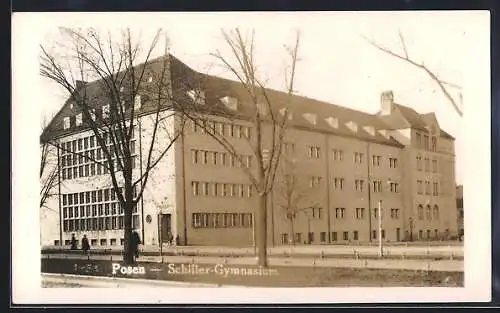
pixel 150 79
pixel 332 121
pixel 137 102
pixel 310 117
pixel 284 111
pixel 79 119
pixel 370 130
pixel 71 105
pixel 105 111
pixel 230 102
pixel 384 133
pixel 66 123
pixel 352 126
pixel 198 96
pixel 262 108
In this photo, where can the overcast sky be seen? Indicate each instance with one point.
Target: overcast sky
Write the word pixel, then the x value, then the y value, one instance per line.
pixel 336 63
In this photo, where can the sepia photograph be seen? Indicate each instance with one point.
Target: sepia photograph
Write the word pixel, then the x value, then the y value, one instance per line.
pixel 276 152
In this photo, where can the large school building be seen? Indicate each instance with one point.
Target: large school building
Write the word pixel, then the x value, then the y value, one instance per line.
pixel 345 165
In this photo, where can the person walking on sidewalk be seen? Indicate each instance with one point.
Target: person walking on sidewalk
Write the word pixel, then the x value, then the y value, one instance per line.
pixel 74 244
pixel 85 244
pixel 136 240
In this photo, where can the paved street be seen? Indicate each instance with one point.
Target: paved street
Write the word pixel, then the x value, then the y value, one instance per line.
pixel 431 265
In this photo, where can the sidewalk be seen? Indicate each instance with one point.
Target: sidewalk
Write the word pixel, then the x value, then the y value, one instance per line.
pixel 425 265
pixel 317 250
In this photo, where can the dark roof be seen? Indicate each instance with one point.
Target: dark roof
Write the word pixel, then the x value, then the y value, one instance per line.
pixel 215 88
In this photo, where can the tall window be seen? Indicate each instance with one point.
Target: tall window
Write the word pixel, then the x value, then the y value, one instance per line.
pixel 338 183
pixel 358 158
pixel 436 212
pixel 339 213
pixel 313 152
pixel 420 212
pixel 360 212
pixel 359 184
pixel 419 162
pixel 434 144
pixel 428 212
pixel 393 162
pixel 338 155
pixel 419 187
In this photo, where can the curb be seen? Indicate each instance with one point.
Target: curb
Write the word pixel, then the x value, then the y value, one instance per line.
pixel 118 282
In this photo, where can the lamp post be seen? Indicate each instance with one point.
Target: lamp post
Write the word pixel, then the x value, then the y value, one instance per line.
pixel 253 235
pixel 380 247
pixel 412 222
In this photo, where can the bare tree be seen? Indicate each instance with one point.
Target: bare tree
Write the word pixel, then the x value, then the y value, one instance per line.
pixel 48 175
pixel 105 79
pixel 268 112
pixel 294 194
pixel 443 85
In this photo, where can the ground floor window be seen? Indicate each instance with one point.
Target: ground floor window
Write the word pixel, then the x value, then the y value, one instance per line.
pixel 56 242
pixel 355 235
pixel 374 234
pixel 298 237
pixel 334 236
pixel 103 242
pixel 284 238
pixel 322 237
pixel 346 235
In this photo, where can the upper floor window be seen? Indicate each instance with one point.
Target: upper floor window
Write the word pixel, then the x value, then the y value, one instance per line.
pixel 393 162
pixel 358 158
pixel 338 183
pixel 419 140
pixel 426 142
pixel 359 184
pixel 338 155
pixel 419 162
pixel 434 144
pixel 79 119
pixel 315 181
pixel 394 187
pixel 313 152
pixel 376 160
pixel 66 123
pixel 377 186
pixel 434 166
pixel 288 148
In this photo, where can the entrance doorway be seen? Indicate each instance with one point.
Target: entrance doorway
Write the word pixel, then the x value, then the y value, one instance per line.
pixel 164 226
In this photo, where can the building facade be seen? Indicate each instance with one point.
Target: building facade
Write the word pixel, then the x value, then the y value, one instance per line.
pixel 345 165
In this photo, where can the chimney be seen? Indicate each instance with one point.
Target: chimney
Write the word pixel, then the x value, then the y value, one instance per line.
pixel 386 102
pixel 80 84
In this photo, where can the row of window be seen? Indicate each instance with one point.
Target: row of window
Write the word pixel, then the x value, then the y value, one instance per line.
pixel 98 223
pixel 92 169
pixel 340 213
pixel 94 210
pixel 220 158
pixel 427 167
pixel 221 189
pixel 96 113
pixel 222 220
pixel 313 152
pixel 429 212
pixel 420 189
pixel 85 143
pixel 95 242
pixel 90 156
pixel 93 196
pixel 423 142
pixel 311 238
pixel 222 129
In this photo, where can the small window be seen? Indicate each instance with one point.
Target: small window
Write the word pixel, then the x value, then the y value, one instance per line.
pixel 66 123
pixel 79 119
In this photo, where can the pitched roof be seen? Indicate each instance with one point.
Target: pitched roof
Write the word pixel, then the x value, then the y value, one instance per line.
pixel 215 88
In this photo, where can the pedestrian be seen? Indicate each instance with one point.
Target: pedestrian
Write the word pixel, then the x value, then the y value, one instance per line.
pixel 136 241
pixel 170 239
pixel 74 244
pixel 85 244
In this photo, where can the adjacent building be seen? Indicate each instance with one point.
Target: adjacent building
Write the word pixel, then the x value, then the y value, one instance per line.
pixel 345 164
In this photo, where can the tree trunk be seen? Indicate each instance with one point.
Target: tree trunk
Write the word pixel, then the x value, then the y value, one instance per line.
pixel 128 245
pixel 262 230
